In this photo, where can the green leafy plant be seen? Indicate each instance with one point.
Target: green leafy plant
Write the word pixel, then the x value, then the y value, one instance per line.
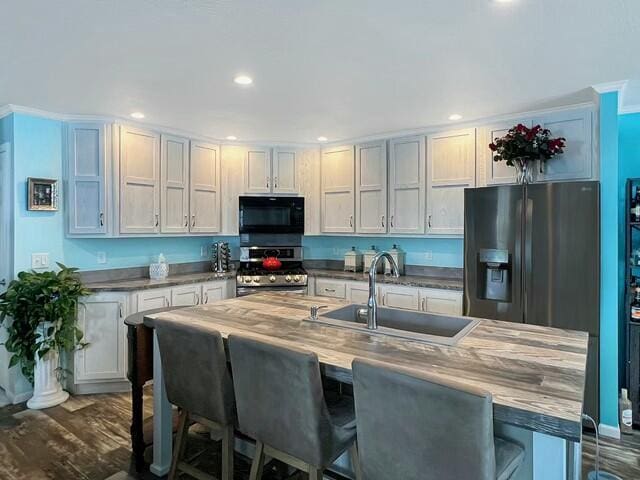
pixel 37 300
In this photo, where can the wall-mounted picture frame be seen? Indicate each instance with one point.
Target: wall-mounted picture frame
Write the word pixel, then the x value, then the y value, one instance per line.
pixel 42 194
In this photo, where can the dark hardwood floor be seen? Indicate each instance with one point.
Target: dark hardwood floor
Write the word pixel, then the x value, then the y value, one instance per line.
pixel 88 438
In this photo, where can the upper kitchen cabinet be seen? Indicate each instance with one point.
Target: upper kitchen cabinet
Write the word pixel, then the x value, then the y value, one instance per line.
pixel 139 181
pixel 174 185
pixel 496 173
pixel 205 188
pixel 337 166
pixel 577 162
pixel 87 171
pixel 451 160
pixel 371 188
pixel 407 185
pixel 284 171
pixel 257 170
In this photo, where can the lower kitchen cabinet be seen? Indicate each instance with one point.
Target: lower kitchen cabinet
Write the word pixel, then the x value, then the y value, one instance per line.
pixel 216 291
pixel 154 298
pixel 393 296
pixel 357 292
pixel 101 318
pixel 331 288
pixel 445 302
pixel 186 296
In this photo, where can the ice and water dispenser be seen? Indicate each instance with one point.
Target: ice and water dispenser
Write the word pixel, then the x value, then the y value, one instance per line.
pixel 494 275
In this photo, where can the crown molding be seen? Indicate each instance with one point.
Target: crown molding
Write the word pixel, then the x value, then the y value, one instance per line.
pixel 608 87
pixel 629 109
pixel 5 110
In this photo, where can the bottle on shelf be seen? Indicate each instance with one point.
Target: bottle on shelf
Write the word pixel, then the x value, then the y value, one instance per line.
pixel 626 413
pixel 632 208
pixel 636 202
pixel 635 306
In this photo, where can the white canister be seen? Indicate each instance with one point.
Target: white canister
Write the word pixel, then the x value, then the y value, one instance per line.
pixel 398 255
pixel 367 258
pixel 353 260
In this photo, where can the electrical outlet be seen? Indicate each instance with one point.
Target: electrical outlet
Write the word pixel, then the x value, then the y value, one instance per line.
pixel 428 255
pixel 336 251
pixel 101 257
pixel 39 261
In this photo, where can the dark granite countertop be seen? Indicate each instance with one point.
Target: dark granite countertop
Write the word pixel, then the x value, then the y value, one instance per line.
pixel 130 285
pixel 406 280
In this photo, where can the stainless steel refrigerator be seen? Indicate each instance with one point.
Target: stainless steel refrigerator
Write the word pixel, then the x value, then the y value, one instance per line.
pixel 532 255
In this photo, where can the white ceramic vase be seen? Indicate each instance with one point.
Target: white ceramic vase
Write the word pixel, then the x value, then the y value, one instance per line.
pixel 47 391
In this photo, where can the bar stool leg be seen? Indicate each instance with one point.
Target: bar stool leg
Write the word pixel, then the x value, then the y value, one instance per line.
pixel 181 442
pixel 355 460
pixel 228 441
pixel 258 462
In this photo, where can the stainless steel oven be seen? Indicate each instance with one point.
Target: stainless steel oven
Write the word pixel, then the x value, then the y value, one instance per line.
pixel 271 215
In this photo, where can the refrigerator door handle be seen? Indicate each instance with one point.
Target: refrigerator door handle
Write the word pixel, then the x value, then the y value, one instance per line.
pixel 528 254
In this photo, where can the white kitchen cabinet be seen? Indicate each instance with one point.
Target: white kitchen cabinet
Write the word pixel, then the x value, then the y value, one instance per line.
pixel 153 298
pixel 371 188
pixel 394 296
pixel 87 168
pixel 331 288
pixel 445 302
pixel 497 173
pixel 101 319
pixel 577 162
pixel 174 184
pixel 217 290
pixel 139 181
pixel 407 185
pixel 186 295
pixel 204 198
pixel 285 171
pixel 257 170
pixel 451 160
pixel 337 207
pixel 357 292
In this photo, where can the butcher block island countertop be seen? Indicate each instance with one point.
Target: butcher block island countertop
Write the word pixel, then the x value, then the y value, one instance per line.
pixel 536 374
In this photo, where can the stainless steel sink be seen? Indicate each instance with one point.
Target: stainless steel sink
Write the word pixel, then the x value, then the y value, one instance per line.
pixel 407 324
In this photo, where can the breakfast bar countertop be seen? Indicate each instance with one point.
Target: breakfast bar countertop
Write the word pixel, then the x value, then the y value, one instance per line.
pixel 535 374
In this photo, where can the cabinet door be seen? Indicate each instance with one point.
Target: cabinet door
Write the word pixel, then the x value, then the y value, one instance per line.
pixel 101 319
pixel 358 292
pixel 371 188
pixel 187 295
pixel 451 161
pixel 86 168
pixel 406 185
pixel 139 181
pixel 497 173
pixel 337 190
pixel 205 188
pixel 577 161
pixel 285 171
pixel 155 298
pixel 174 184
pixel 400 297
pixel 214 292
pixel 257 170
pixel 444 302
pixel 330 288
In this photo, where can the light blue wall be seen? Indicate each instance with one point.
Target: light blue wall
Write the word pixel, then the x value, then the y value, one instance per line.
pixel 610 260
pixel 444 252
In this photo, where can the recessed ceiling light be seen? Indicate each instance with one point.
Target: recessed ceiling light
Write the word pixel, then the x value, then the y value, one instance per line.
pixel 243 80
pixel 455 116
pixel 322 139
pixel 137 115
pixel 232 137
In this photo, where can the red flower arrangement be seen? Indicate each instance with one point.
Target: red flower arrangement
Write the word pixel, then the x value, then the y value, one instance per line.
pixel 522 145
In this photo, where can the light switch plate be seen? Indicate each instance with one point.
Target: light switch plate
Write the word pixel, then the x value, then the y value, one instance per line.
pixel 101 257
pixel 39 261
pixel 428 255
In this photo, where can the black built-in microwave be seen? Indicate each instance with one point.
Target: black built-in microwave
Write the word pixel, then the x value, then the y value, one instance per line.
pixel 271 215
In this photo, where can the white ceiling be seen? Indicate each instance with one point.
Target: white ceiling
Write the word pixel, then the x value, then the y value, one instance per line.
pixel 338 68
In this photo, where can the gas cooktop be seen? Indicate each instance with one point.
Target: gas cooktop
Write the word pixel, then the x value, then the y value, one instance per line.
pixel 256 276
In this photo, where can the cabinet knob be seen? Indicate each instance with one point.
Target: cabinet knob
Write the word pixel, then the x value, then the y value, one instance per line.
pixel 351 221
pixel 186 221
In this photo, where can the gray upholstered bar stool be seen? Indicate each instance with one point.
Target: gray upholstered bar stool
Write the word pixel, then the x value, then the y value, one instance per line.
pixel 281 404
pixel 415 426
pixel 198 381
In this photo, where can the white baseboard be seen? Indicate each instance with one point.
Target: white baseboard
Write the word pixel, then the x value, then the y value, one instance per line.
pixel 609 431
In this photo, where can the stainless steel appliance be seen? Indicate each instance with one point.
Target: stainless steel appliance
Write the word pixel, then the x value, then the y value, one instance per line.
pixel 252 277
pixel 532 255
pixel 220 257
pixel 271 215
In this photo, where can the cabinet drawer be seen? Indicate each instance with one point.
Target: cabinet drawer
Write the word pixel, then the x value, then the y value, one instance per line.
pixel 400 297
pixel 330 288
pixel 444 302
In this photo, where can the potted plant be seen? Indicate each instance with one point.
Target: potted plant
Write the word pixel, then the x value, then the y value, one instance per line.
pixel 39 311
pixel 522 146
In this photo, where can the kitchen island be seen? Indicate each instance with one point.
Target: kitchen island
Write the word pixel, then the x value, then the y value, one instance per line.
pixel 535 374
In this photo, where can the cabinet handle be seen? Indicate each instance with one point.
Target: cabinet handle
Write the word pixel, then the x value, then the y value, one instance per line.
pixel 275 182
pixel 541 166
pixel 197 299
pixel 166 302
pixel 157 219
pixel 351 221
pixel 332 290
pixel 422 307
pixel 384 299
pixel 267 182
pixel 120 310
pixel 186 221
pixel 392 216
pixel 382 221
pixel 101 219
pixel 429 221
pixel 206 298
pixel 193 220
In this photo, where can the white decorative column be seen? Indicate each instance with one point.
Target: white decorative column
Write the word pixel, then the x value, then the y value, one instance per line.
pixel 47 391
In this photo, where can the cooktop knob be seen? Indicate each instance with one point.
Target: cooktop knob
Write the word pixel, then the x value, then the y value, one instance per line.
pixel 272 278
pixel 287 278
pixel 246 279
pixel 256 279
pixel 296 278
